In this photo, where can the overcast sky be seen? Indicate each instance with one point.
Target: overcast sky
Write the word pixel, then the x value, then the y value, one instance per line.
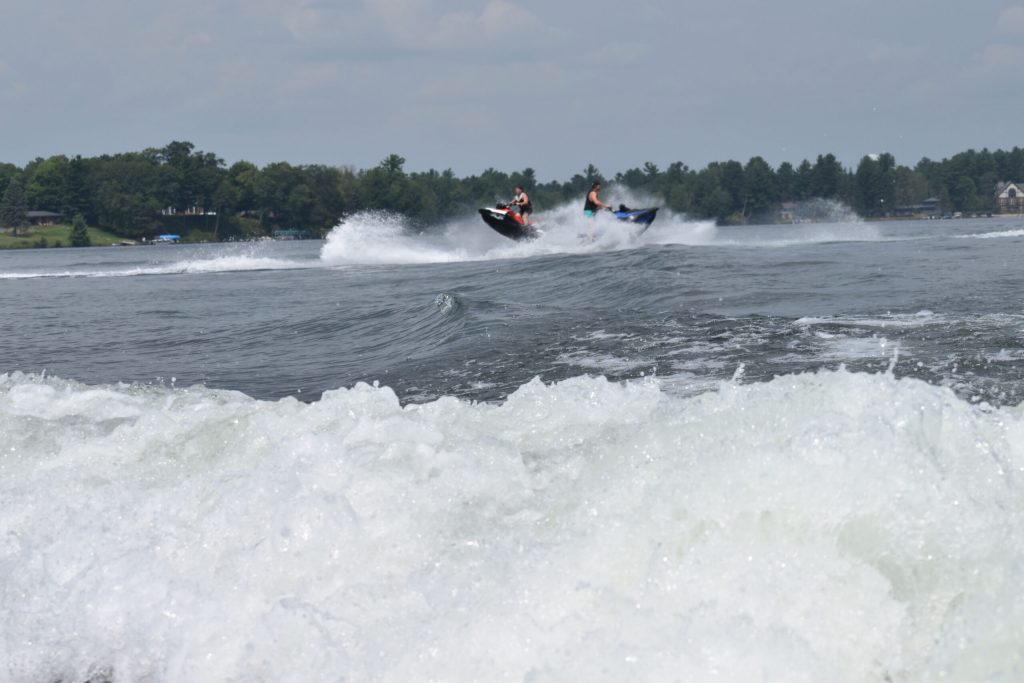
pixel 548 84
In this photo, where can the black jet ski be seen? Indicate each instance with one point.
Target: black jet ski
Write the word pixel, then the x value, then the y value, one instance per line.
pixel 642 217
pixel 509 223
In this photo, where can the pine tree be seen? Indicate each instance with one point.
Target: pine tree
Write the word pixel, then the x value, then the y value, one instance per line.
pixel 13 208
pixel 79 235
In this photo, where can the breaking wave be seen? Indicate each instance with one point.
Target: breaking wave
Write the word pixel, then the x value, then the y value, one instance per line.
pixel 828 526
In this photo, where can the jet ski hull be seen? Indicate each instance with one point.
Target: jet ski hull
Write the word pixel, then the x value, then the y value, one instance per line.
pixel 642 217
pixel 508 224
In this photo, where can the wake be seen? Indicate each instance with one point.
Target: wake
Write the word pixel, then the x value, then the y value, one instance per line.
pixel 220 264
pixel 387 238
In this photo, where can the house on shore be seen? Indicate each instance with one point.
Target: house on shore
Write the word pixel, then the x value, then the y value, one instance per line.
pixel 928 208
pixel 1010 197
pixel 43 217
pixel 292 234
pixel 194 210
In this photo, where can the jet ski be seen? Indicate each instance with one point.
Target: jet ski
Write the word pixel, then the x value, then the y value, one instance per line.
pixel 509 223
pixel 642 217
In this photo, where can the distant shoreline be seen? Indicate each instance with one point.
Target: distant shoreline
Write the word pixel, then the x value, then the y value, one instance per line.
pixel 58 236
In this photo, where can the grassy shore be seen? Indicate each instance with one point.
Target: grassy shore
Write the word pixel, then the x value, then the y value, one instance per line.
pixel 55 236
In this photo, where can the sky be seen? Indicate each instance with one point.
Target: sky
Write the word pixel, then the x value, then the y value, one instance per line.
pixel 552 85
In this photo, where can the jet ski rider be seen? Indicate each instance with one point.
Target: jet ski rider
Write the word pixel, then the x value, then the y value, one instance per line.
pixel 592 203
pixel 523 203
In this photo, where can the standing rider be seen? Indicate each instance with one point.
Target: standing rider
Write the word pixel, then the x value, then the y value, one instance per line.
pixel 523 203
pixel 592 204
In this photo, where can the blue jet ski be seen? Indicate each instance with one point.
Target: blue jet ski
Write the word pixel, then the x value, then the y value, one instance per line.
pixel 642 217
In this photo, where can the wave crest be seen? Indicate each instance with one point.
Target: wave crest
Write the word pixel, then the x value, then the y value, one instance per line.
pixel 586 529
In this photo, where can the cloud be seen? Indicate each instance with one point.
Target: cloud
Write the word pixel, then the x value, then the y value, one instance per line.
pixel 619 54
pixel 490 82
pixel 195 39
pixel 1011 21
pixel 417 26
pixel 311 77
pixel 996 60
pixel 882 53
pixel 10 88
pixel 498 20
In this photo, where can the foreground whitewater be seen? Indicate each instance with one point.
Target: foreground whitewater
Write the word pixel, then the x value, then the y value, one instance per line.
pixel 823 526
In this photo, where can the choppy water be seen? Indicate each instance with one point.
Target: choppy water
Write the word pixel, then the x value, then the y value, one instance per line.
pixel 758 453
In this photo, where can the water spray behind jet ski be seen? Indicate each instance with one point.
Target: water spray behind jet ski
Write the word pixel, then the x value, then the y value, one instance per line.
pixel 507 222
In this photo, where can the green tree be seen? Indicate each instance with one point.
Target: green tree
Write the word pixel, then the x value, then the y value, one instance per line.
pixel 298 207
pixel 910 187
pixel 710 198
pixel 79 233
pixel 273 187
pixel 677 187
pixel 329 204
pixel 393 163
pixel 733 183
pixel 47 184
pixel 448 198
pixel 128 192
pixel 648 179
pixel 592 175
pixel 826 177
pixel 191 177
pixel 963 193
pixel 13 208
pixel 875 185
pixel 803 182
pixel 132 214
pixel 224 200
pixel 7 173
pixel 387 187
pixel 487 187
pixel 347 188
pixel 760 189
pixel 244 179
pixel 785 181
pixel 78 198
pixel 1009 165
pixel 985 198
pixel 633 178
pixel 526 179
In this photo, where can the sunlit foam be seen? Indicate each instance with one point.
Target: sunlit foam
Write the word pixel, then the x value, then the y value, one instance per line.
pixel 218 264
pixel 830 526
pixel 223 264
pixel 993 235
pixel 899 320
pixel 383 237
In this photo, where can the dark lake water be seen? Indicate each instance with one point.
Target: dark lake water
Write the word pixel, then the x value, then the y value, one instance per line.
pixel 939 300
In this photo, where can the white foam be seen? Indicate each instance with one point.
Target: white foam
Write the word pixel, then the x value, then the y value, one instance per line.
pixel 891 320
pixel 387 238
pixel 993 235
pixel 602 362
pixel 383 237
pixel 781 236
pixel 850 348
pixel 833 526
pixel 217 264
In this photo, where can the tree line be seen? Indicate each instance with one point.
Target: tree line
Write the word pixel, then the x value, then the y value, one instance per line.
pixel 139 194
